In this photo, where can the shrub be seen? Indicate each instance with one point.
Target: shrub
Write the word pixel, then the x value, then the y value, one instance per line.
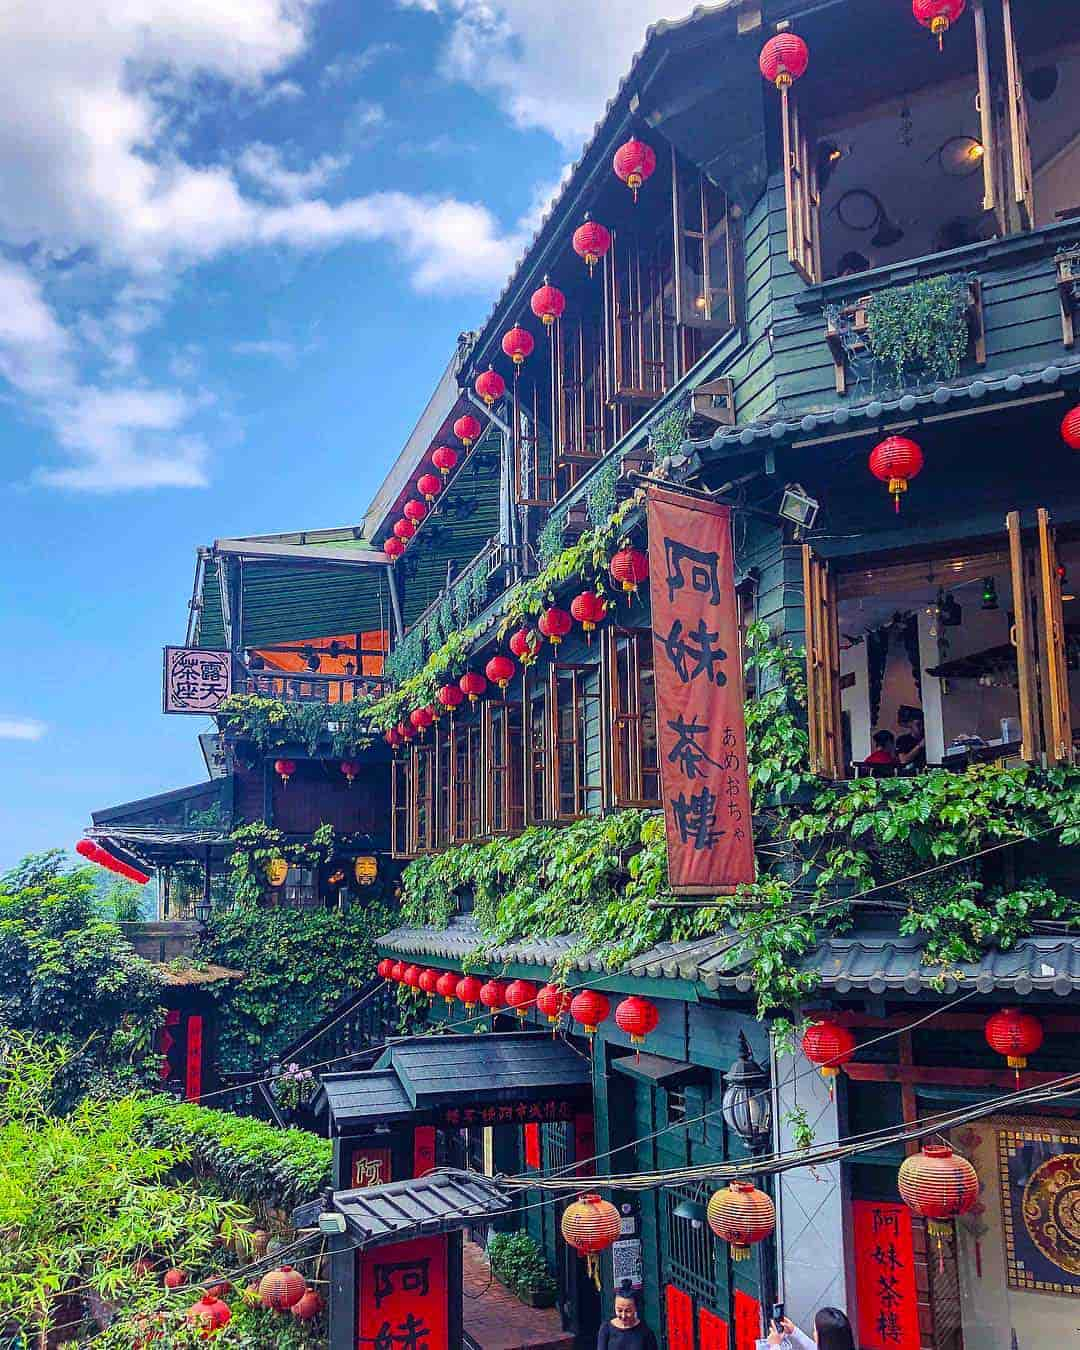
pixel 518 1262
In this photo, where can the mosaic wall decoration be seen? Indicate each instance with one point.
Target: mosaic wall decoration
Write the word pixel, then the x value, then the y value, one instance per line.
pixel 1039 1174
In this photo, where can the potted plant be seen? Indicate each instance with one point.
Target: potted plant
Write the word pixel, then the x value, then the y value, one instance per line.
pixel 518 1263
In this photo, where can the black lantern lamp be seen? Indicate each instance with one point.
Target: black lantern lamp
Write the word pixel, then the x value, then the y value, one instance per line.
pixel 747 1100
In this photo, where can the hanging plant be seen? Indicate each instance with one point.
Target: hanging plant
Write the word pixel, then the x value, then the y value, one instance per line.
pixel 549 541
pixel 919 332
pixel 601 497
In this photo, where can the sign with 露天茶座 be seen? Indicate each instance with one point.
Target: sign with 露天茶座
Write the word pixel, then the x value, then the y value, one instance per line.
pixel 699 694
pixel 404 1299
pixel 885 1276
pixel 195 681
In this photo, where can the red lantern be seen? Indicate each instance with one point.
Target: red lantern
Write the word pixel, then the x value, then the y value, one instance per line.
pixel 1070 428
pixel 285 768
pixel 282 1289
pixel 525 645
pixel 588 609
pixel 309 1307
pixel 630 567
pixel 393 548
pixel 473 684
pixel 521 995
pixel 518 344
pixel 553 1002
pixel 404 529
pixel 429 983
pixel 429 485
pixel 741 1216
pixel 351 770
pixel 637 1017
pixel 446 985
pixel 590 1225
pixel 467 429
pixel 591 241
pixel 414 511
pixel 490 385
pixel 938 15
pixel 468 991
pixel 829 1047
pixel 208 1316
pixel 493 995
pixel 444 457
pixel 783 59
pixel 411 976
pixel 397 971
pixel 421 718
pixel 451 696
pixel 937 1185
pixel 384 968
pixel 634 163
pixel 590 1009
pixel 500 670
pixel 896 460
pixel 1014 1034
pixel 174 1278
pixel 392 737
pixel 548 303
pixel 406 730
pixel 555 623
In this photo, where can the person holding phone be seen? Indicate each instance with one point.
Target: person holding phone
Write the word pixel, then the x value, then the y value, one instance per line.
pixel 832 1331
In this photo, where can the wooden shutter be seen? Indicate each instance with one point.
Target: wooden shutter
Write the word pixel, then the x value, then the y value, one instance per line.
pixel 800 192
pixel 399 807
pixel 1019 138
pixel 984 102
pixel 822 667
pixel 1057 717
pixel 1023 639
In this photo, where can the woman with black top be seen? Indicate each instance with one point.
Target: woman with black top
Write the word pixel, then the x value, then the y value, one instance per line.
pixel 626 1330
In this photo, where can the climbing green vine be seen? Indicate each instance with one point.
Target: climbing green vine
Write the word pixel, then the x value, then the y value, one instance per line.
pixel 272 723
pixel 920 330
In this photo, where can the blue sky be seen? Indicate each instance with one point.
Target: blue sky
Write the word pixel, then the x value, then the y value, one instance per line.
pixel 237 244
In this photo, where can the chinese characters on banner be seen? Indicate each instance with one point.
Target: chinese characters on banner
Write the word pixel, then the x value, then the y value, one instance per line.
pixel 195 681
pixel 370 1167
pixel 885 1280
pixel 507 1113
pixel 699 694
pixel 404 1301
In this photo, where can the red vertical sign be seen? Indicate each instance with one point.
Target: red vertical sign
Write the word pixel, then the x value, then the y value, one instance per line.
pixel 370 1167
pixel 193 1066
pixel 699 694
pixel 747 1312
pixel 585 1144
pixel 532 1146
pixel 404 1299
pixel 423 1150
pixel 680 1318
pixel 712 1331
pixel 885 1276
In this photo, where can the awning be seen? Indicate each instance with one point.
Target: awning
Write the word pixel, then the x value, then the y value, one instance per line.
pixel 444 1201
pixel 497 1079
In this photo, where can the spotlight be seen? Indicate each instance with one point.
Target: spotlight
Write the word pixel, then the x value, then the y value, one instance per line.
pixel 798 506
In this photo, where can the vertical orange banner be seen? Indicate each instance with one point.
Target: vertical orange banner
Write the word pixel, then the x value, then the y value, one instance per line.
pixel 699 694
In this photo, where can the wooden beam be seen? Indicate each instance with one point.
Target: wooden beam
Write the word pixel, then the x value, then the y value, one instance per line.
pixel 1052 1022
pixel 912 1075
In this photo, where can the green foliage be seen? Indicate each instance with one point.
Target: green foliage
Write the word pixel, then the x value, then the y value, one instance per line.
pixel 266 1167
pixel 919 331
pixel 85 1195
pixel 257 844
pixel 297 965
pixel 601 497
pixel 549 541
pixel 272 723
pixel 69 975
pixel 668 432
pixel 517 1261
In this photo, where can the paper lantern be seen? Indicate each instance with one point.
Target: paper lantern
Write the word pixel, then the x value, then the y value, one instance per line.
pixel 937 1186
pixel 410 976
pixel 467 429
pixel 938 16
pixel 548 303
pixel 397 972
pixel 500 670
pixel 783 59
pixel 421 719
pixel 285 768
pixel 414 511
pixel 473 684
pixel 521 996
pixel 589 610
pixel 525 644
pixel 351 769
pixel 741 1216
pixel 591 241
pixel 490 385
pixel 446 985
pixel 553 1002
pixel 637 1017
pixel 445 457
pixel 174 1278
pixel 555 623
pixel 208 1316
pixel 896 460
pixel 468 991
pixel 384 968
pixel 634 164
pixel 429 485
pixel 590 1009
pixel 590 1225
pixel 1070 428
pixel 451 696
pixel 518 344
pixel 829 1046
pixel 429 983
pixel 394 548
pixel 1014 1034
pixel 493 995
pixel 309 1307
pixel 404 529
pixel 282 1289
pixel 629 567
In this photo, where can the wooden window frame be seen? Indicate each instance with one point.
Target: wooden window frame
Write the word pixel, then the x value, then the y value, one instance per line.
pixel 444 784
pixel 466 821
pixel 579 672
pixel 532 486
pixel 691 322
pixel 538 759
pixel 579 416
pixel 422 798
pixel 628 770
pixel 1019 132
pixel 639 335
pixel 400 797
pixel 822 667
pixel 503 786
pixel 801 195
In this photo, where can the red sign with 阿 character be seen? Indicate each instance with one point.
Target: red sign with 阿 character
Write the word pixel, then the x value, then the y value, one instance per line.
pixel 699 694
pixel 404 1298
pixel 885 1276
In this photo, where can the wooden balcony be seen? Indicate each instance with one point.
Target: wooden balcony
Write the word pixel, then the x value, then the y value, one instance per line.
pixel 310 688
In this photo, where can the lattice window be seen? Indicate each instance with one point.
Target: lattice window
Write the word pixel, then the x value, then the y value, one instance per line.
pixel 694 1254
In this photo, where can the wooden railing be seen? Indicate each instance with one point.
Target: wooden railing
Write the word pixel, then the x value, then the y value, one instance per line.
pixel 294 688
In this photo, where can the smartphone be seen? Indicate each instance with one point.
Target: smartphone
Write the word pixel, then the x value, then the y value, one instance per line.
pixel 777 1314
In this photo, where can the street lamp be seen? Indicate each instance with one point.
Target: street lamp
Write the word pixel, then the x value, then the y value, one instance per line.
pixel 747 1101
pixel 693 1211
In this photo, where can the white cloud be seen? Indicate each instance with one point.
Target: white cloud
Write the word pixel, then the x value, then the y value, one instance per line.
pixel 284 91
pixel 265 166
pixel 347 68
pixel 21 729
pixel 544 67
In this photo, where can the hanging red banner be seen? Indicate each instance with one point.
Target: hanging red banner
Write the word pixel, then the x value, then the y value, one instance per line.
pixel 712 1331
pixel 746 1313
pixel 193 1069
pixel 885 1276
pixel 699 694
pixel 680 1316
pixel 404 1298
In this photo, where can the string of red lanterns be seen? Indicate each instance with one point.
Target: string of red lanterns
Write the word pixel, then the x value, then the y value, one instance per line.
pixel 93 852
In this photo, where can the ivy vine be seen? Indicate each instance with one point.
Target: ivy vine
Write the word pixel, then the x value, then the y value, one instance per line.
pixel 919 331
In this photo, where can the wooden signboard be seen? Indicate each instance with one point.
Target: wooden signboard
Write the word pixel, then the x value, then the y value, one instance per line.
pixel 195 681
